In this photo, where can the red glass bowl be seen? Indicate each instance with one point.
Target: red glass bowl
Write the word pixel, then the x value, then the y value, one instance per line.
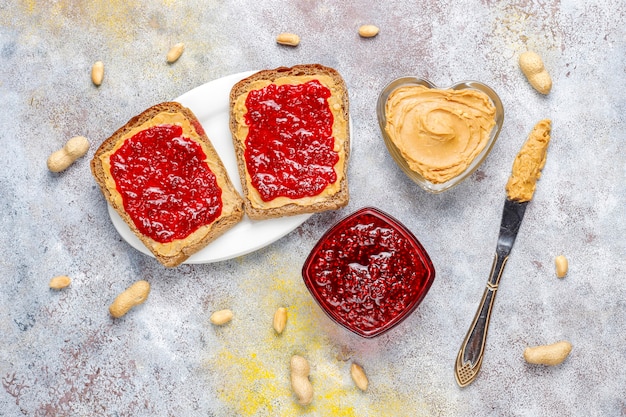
pixel 368 272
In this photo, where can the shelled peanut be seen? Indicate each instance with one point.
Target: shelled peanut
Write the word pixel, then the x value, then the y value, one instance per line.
pixel 358 376
pixel 175 52
pixel 221 317
pixel 553 354
pixel 289 39
pixel 280 320
pixel 97 73
pixel 133 296
pixel 368 31
pixel 561 266
pixel 60 282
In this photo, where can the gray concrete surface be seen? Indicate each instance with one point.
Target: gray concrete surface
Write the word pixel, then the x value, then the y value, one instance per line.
pixel 61 354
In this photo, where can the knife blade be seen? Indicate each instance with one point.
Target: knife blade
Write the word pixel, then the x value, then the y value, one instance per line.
pixel 471 353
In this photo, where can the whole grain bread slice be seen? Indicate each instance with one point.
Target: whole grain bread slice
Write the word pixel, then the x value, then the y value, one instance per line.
pixel 232 211
pixel 259 210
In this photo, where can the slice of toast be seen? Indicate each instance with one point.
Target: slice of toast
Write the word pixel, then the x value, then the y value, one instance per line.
pixel 274 93
pixel 161 173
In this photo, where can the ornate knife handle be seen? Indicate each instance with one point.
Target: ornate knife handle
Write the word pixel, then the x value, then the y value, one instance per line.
pixel 470 357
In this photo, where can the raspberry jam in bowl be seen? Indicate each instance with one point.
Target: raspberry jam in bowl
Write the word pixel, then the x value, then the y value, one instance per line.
pixel 368 272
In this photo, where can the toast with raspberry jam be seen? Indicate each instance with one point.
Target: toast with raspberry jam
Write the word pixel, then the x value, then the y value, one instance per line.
pixel 161 173
pixel 291 133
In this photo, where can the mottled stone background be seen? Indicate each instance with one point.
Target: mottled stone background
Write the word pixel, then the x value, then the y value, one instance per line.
pixel 62 355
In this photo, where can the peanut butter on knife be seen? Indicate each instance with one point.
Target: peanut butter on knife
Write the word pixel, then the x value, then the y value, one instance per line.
pixel 529 162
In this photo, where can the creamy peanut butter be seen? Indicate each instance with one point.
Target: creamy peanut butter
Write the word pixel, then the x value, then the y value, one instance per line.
pixel 173 247
pixel 528 163
pixel 439 132
pixel 339 125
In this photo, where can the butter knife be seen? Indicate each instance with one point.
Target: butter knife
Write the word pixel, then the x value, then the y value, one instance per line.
pixel 519 190
pixel 470 357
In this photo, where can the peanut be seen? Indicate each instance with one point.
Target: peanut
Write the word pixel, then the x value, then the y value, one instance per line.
pixel 532 66
pixel 359 377
pixel 561 266
pixel 175 52
pixel 300 383
pixel 368 31
pixel 280 320
pixel 221 317
pixel 97 73
pixel 64 157
pixel 133 296
pixel 553 354
pixel 60 282
pixel 290 39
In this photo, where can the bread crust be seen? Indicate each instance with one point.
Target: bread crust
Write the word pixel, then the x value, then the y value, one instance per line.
pixel 206 234
pixel 334 201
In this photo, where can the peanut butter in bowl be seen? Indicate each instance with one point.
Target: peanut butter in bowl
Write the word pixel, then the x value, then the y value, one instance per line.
pixel 439 136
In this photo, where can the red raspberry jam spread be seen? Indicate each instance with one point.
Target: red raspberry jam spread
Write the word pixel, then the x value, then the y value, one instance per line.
pixel 167 188
pixel 290 148
pixel 368 272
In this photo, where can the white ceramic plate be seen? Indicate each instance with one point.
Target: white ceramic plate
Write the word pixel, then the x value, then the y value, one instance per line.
pixel 210 104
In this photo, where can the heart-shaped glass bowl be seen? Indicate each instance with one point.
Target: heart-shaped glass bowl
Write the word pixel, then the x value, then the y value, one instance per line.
pixel 368 272
pixel 397 155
